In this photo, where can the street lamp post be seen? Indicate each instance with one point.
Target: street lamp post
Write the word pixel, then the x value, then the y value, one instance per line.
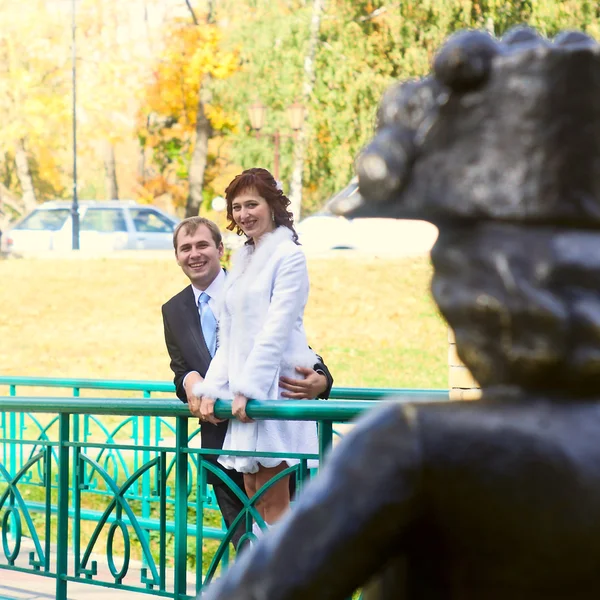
pixel 75 204
pixel 257 113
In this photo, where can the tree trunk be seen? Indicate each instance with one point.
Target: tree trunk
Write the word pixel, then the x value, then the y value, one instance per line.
pixel 7 198
pixel 199 159
pixel 110 172
pixel 141 165
pixel 210 13
pixel 307 89
pixel 25 178
pixel 10 207
pixel 203 134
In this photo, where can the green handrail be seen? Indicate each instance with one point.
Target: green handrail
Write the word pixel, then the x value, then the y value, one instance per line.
pixel 131 385
pixel 90 384
pixel 290 410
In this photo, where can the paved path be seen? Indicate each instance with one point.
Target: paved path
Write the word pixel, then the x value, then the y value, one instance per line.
pixel 24 586
pixel 16 585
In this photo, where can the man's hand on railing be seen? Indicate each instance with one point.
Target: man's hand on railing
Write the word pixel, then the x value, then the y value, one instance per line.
pixel 312 386
pixel 207 411
pixel 193 401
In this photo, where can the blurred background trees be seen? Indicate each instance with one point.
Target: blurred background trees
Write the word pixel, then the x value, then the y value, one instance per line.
pixel 164 88
pixel 33 99
pixel 177 116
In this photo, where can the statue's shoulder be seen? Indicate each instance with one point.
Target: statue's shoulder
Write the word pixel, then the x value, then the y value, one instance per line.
pixel 464 430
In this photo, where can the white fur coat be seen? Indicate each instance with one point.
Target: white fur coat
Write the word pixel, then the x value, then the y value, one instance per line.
pixel 261 332
pixel 262 338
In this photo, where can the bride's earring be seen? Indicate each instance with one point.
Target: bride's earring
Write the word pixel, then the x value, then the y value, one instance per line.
pixel 272 215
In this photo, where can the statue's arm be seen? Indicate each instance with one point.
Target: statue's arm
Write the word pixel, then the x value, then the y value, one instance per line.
pixel 346 524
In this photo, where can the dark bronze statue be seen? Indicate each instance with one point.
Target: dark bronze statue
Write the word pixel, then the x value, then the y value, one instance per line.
pixel 500 498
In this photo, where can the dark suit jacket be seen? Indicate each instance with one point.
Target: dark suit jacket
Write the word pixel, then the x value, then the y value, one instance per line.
pixel 188 352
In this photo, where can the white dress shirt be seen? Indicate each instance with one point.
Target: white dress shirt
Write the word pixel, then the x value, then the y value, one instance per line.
pixel 215 293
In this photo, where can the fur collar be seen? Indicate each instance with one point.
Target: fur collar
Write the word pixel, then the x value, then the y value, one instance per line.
pixel 249 261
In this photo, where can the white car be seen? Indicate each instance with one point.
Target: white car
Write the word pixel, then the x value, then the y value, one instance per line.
pixel 325 232
pixel 110 225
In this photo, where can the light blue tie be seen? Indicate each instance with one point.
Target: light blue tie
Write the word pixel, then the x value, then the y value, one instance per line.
pixel 208 323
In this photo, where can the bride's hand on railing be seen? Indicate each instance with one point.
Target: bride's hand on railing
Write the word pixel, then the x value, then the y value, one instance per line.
pixel 238 408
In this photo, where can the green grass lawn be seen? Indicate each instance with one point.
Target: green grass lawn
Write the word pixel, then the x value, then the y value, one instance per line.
pixel 373 320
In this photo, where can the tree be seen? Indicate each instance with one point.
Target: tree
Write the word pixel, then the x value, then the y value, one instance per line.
pixel 184 94
pixel 204 132
pixel 32 101
pixel 24 174
pixel 307 90
pixel 368 44
pixel 114 56
pixel 272 70
pixel 175 117
pixel 10 206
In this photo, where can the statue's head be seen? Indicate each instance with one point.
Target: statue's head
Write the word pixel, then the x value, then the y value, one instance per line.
pixel 500 148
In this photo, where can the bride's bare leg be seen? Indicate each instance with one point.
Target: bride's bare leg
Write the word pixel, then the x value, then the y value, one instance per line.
pixel 251 487
pixel 250 484
pixel 276 500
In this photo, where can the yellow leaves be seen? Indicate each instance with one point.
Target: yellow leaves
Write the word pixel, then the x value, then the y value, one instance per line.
pixel 168 114
pixel 227 65
pixel 166 183
pixel 48 171
pixel 191 53
pixel 32 84
pixel 219 118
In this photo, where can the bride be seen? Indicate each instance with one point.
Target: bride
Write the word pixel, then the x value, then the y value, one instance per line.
pixel 261 337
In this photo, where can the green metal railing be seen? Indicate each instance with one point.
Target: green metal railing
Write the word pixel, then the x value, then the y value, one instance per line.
pixel 64 455
pixel 144 429
pixel 150 387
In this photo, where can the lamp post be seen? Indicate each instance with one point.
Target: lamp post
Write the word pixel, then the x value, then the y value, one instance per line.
pixel 75 204
pixel 257 113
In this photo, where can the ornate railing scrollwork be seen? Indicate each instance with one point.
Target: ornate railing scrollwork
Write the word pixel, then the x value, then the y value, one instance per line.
pixel 120 505
pixel 126 512
pixel 14 509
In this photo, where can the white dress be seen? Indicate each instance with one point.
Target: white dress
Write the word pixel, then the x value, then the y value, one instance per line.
pixel 261 338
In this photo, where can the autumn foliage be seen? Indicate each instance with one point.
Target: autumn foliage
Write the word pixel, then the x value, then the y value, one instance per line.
pixel 168 113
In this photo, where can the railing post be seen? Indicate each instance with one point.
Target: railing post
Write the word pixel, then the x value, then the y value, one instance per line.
pixel 62 535
pixel 76 498
pixel 48 506
pixel 200 494
pixel 161 490
pixel 181 485
pixel 325 439
pixel 146 483
pixel 12 435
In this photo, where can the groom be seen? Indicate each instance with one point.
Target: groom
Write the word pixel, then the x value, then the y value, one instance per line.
pixel 190 322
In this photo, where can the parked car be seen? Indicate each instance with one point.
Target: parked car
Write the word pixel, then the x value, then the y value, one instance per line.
pixel 325 232
pixel 110 225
